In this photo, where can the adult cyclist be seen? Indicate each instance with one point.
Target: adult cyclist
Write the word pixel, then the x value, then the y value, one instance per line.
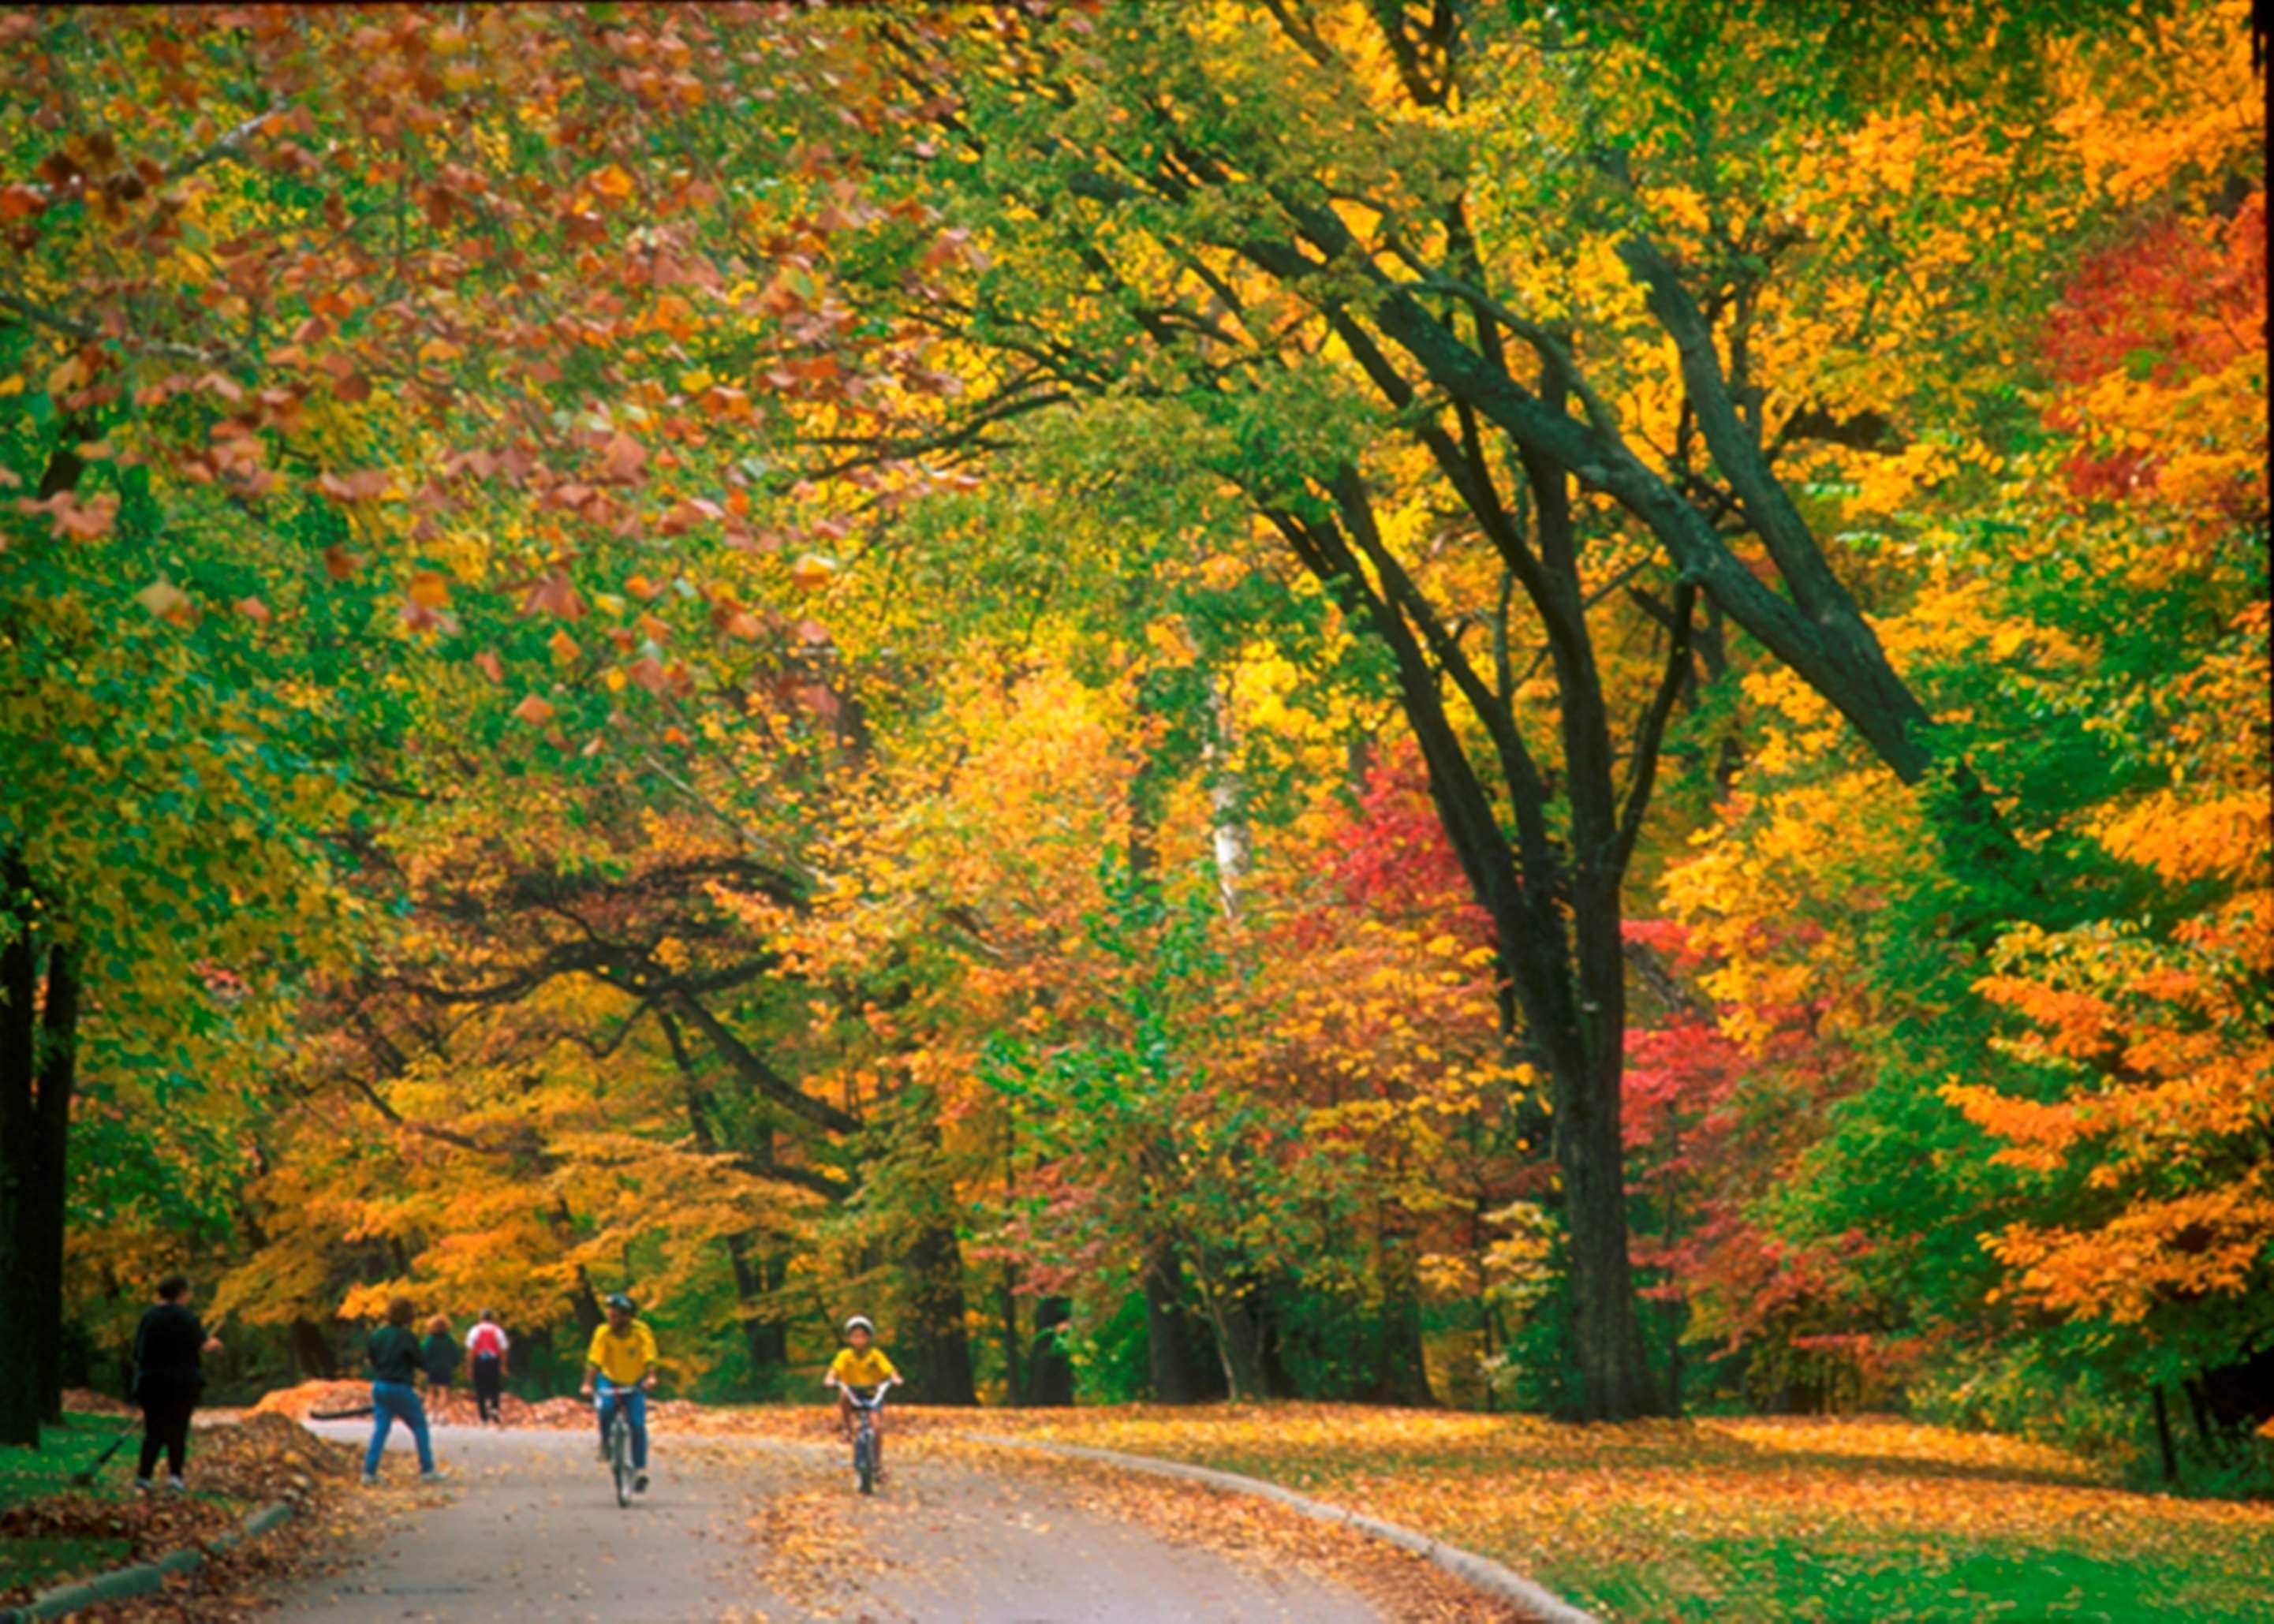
pixel 620 1363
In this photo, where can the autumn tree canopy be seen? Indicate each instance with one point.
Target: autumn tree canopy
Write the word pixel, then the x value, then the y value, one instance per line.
pixel 1451 703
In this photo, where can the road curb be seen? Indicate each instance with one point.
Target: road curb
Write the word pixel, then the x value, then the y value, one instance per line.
pixel 142 1578
pixel 1480 1572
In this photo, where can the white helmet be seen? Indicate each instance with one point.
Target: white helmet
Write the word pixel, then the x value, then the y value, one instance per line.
pixel 859 1322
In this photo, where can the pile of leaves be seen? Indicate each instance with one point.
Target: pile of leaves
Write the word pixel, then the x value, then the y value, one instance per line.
pixel 456 1407
pixel 88 1401
pixel 234 1469
pixel 806 1422
pixel 269 1457
pixel 314 1398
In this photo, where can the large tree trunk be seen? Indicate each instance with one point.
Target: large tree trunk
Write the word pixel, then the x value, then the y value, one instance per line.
pixel 1614 1370
pixel 1554 905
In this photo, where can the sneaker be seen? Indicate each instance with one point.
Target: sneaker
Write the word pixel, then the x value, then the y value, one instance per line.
pixel 432 1475
pixel 639 1483
pixel 370 1480
pixel 142 1486
pixel 175 1485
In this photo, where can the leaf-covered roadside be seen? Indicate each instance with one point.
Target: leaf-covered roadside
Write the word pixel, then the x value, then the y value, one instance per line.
pixel 818 1546
pixel 1399 1584
pixel 236 1467
pixel 1784 1517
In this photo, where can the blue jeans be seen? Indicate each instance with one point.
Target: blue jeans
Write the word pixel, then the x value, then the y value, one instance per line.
pixel 635 1402
pixel 390 1401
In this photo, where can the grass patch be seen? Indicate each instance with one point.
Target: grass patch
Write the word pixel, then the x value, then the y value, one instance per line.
pixel 1830 1519
pixel 27 1474
pixel 1915 1582
pixel 35 1561
pixel 36 1564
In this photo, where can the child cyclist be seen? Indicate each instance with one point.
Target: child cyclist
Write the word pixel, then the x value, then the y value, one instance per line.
pixel 860 1364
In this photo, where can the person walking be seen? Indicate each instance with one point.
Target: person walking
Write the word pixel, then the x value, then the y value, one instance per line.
pixel 439 1355
pixel 486 1350
pixel 393 1355
pixel 168 1346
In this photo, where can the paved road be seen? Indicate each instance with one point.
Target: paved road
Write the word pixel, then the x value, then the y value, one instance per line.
pixel 530 1529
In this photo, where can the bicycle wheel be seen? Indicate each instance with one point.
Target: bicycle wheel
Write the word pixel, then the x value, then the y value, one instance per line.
pixel 864 1461
pixel 619 1458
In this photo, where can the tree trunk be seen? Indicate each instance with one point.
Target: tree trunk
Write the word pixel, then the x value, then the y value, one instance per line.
pixel 1006 1308
pixel 19 1317
pixel 1173 1359
pixel 57 1075
pixel 1239 1337
pixel 940 1357
pixel 1050 1373
pixel 2171 1460
pixel 584 1303
pixel 2199 1410
pixel 312 1351
pixel 1613 1369
pixel 1229 840
pixel 760 1339
pixel 1555 903
pixel 1401 1375
pixel 1014 1384
pixel 1580 1031
pixel 763 1335
pixel 1278 1381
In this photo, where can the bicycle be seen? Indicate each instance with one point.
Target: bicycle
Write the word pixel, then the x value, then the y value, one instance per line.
pixel 619 1444
pixel 864 1435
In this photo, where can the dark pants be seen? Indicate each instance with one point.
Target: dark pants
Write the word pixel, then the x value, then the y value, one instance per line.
pixel 165 1426
pixel 489 1384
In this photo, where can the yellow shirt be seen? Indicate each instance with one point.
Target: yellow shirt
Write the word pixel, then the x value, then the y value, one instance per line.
pixel 623 1359
pixel 863 1369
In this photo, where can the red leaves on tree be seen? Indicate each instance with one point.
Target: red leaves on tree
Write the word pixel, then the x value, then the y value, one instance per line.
pixel 1393 859
pixel 2178 299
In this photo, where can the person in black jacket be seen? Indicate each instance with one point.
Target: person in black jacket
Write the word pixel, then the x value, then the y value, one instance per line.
pixel 439 1353
pixel 168 1377
pixel 392 1356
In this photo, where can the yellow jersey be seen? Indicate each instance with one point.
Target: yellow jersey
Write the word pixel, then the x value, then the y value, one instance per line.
pixel 863 1369
pixel 623 1359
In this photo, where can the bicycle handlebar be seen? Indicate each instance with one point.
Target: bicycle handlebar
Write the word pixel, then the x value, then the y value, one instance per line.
pixel 591 1401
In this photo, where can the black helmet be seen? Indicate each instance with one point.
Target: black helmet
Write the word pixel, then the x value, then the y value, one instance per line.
pixel 617 1299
